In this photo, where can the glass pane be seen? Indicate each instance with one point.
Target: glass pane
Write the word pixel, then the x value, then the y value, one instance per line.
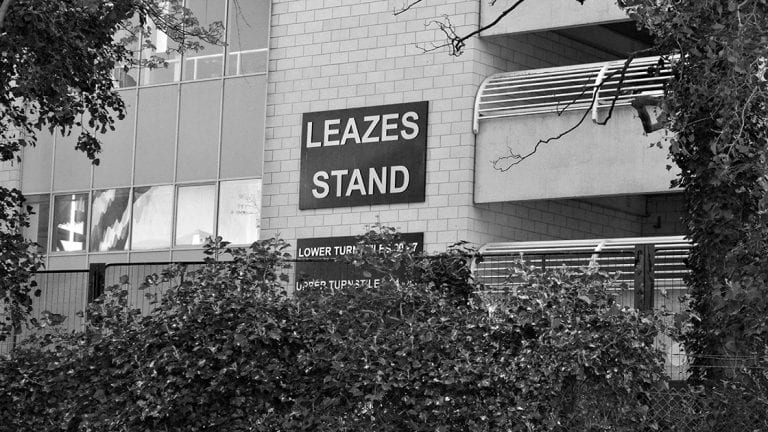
pixel 69 218
pixel 156 135
pixel 240 211
pixel 162 47
pixel 194 214
pixel 72 168
pixel 152 217
pixel 129 37
pixel 247 31
pixel 116 157
pixel 110 219
pixel 251 61
pixel 199 117
pixel 36 175
pixel 37 231
pixel 207 62
pixel 242 145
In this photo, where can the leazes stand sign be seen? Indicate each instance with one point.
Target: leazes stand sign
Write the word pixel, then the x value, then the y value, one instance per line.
pixel 364 156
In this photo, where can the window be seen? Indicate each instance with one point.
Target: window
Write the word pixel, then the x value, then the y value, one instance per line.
pixel 207 62
pixel 240 211
pixel 69 218
pixel 129 37
pixel 194 214
pixel 110 220
pixel 37 231
pixel 152 217
pixel 247 30
pixel 162 47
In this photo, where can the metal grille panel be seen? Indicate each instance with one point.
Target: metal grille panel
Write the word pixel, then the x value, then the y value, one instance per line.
pixel 143 299
pixel 61 292
pixel 559 89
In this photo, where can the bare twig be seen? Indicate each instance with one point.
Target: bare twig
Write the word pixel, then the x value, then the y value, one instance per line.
pixel 502 164
pixel 506 162
pixel 406 7
pixel 744 113
pixel 4 11
pixel 456 42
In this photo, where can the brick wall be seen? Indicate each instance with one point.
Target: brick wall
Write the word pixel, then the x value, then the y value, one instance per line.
pixel 334 54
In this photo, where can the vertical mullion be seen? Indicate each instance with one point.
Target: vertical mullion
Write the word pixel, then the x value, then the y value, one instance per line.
pixel 220 142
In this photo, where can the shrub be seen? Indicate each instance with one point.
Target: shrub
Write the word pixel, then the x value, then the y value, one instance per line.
pixel 227 350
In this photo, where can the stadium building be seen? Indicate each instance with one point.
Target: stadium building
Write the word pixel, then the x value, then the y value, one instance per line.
pixel 322 117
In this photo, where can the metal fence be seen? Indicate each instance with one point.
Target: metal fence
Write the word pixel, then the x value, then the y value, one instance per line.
pixel 63 293
pixel 649 275
pixel 134 274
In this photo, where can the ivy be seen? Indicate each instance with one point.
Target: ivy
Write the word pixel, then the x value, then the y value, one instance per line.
pixel 717 102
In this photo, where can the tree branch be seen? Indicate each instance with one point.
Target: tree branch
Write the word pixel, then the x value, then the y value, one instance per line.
pixel 458 42
pixel 4 11
pixel 406 7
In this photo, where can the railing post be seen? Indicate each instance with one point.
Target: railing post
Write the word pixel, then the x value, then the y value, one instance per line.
pixel 96 280
pixel 644 259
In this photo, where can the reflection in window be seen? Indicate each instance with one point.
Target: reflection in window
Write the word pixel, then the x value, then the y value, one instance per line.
pixel 69 218
pixel 127 75
pixel 37 231
pixel 251 61
pixel 194 214
pixel 152 217
pixel 164 48
pixel 110 219
pixel 208 61
pixel 240 211
pixel 247 31
pixel 122 78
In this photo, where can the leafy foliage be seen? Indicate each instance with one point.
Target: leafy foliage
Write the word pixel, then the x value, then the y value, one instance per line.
pixel 738 402
pixel 227 350
pixel 18 262
pixel 382 252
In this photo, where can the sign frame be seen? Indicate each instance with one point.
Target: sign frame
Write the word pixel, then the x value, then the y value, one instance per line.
pixel 364 156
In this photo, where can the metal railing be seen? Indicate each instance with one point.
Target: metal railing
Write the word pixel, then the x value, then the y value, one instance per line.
pixel 568 88
pixel 194 64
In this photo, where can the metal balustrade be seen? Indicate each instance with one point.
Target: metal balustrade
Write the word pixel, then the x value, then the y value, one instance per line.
pixel 194 64
pixel 579 87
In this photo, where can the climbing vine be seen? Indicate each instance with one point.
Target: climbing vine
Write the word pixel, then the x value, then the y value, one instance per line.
pixel 716 103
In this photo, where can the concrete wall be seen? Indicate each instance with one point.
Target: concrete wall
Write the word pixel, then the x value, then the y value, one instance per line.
pixel 540 15
pixel 592 160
